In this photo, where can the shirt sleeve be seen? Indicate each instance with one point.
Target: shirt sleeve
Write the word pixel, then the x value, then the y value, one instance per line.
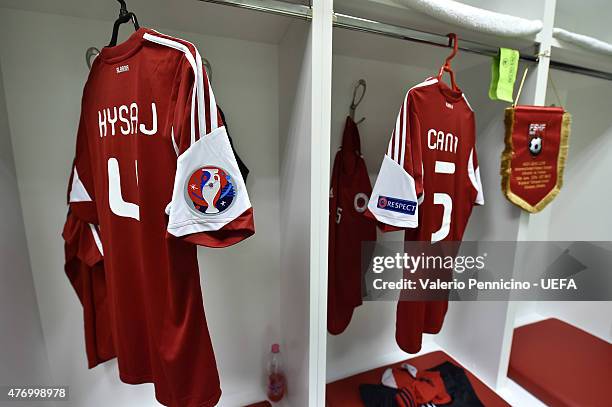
pixel 398 190
pixel 210 205
pixel 81 197
pixel 82 241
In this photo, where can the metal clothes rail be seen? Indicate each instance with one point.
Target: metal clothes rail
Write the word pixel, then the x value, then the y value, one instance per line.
pixel 344 21
pixel 282 8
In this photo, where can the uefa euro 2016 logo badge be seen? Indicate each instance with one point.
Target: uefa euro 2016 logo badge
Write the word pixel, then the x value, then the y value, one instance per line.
pixel 211 190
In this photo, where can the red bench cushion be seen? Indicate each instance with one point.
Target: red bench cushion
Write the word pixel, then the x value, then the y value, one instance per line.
pixel 562 365
pixel 345 392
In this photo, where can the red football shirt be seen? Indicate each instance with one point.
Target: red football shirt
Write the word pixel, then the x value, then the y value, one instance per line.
pixel 428 183
pixel 348 229
pixel 155 170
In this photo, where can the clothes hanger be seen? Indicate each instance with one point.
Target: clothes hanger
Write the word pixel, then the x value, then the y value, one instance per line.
pixel 452 41
pixel 124 17
pixel 354 103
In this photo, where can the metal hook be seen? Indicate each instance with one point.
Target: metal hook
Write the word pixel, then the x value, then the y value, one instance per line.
pixel 208 68
pixel 354 103
pixel 90 55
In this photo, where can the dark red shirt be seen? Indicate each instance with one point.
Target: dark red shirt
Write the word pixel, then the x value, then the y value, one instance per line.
pixel 154 169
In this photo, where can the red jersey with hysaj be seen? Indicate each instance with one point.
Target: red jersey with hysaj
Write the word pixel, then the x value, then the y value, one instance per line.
pixel 428 184
pixel 155 170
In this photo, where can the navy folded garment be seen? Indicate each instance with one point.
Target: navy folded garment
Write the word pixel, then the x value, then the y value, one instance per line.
pixel 458 386
pixel 377 395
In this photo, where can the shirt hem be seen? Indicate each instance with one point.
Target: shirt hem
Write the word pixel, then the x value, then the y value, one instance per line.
pixel 396 222
pixel 196 221
pixel 135 380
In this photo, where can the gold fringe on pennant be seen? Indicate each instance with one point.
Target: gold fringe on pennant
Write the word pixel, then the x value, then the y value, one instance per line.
pixel 506 163
pixel 506 158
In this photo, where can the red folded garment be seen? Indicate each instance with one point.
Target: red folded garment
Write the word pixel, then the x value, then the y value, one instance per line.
pixel 422 386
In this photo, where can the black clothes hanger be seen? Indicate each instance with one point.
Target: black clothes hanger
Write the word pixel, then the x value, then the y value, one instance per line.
pixel 124 17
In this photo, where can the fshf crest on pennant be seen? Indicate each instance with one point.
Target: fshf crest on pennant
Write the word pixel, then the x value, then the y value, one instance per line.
pixel 533 161
pixel 210 190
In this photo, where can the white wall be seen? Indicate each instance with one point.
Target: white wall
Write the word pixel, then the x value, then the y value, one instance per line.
pixel 44 69
pixel 580 213
pixel 591 20
pixel 23 354
pixel 296 79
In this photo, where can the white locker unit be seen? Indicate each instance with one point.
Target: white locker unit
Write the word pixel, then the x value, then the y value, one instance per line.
pixel 283 72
